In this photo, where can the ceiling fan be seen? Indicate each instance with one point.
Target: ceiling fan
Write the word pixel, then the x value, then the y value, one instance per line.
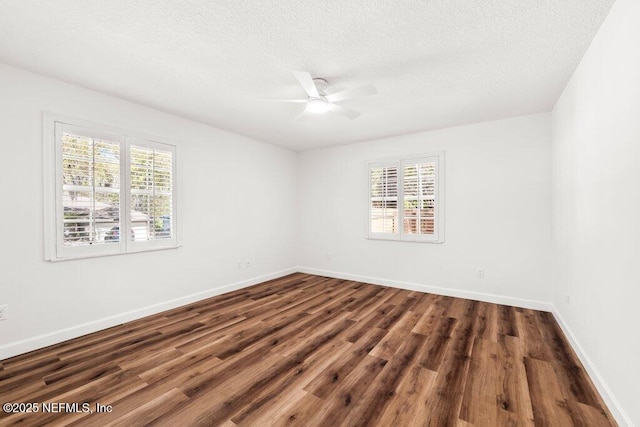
pixel 319 102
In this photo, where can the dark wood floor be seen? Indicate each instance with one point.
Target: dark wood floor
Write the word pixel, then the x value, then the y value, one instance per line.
pixel 308 350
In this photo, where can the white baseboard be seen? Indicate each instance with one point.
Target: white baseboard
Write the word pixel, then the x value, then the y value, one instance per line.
pixel 459 293
pixel 612 403
pixel 30 344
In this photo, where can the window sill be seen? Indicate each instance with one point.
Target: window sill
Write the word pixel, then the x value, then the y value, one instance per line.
pixel 403 240
pixel 103 255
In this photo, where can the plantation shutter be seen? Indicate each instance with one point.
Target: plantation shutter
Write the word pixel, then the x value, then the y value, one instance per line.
pixel 152 204
pixel 90 187
pixel 383 199
pixel 419 182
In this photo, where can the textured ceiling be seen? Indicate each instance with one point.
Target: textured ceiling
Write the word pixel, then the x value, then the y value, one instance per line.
pixel 435 63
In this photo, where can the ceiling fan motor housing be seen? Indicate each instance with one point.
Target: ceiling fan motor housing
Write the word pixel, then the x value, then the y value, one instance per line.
pixel 321 85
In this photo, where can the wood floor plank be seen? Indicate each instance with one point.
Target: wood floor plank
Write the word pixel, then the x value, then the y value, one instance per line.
pixel 456 309
pixel 369 407
pixel 587 415
pixel 432 315
pixel 369 322
pixel 445 402
pixel 533 343
pixel 363 298
pixel 423 302
pixel 479 403
pixel 280 396
pixel 274 413
pixel 105 390
pixel 328 380
pixel 147 413
pixel 220 407
pixel 573 380
pixel 340 401
pixel 299 412
pixel 396 313
pixel 408 408
pixel 388 346
pixel 374 304
pixel 488 322
pixel 549 406
pixel 41 391
pixel 306 350
pixel 514 402
pixel 507 321
pixel 437 342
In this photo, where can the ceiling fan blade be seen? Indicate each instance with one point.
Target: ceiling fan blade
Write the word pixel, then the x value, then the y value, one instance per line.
pixel 307 83
pixel 343 111
pixel 352 93
pixel 282 100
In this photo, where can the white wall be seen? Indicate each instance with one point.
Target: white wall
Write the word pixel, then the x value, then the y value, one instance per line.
pixel 498 216
pixel 237 203
pixel 596 175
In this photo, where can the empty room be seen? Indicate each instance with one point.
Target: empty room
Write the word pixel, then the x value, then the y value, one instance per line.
pixel 407 213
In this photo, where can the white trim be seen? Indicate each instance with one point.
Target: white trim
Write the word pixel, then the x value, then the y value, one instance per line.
pixel 458 293
pixel 125 198
pixel 98 254
pixel 50 118
pixel 41 341
pixel 48 166
pixel 612 403
pixel 95 132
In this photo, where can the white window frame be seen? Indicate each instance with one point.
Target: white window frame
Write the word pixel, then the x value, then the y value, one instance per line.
pixel 55 250
pixel 400 163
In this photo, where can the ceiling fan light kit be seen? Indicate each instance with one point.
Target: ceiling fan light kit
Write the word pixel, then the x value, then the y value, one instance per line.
pixel 318 102
pixel 317 105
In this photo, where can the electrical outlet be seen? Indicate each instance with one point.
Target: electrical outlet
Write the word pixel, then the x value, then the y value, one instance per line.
pixel 328 257
pixel 3 312
pixel 248 263
pixel 480 272
pixel 567 299
pixel 239 264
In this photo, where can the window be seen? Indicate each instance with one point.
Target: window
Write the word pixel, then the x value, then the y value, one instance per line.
pixel 406 199
pixel 107 191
